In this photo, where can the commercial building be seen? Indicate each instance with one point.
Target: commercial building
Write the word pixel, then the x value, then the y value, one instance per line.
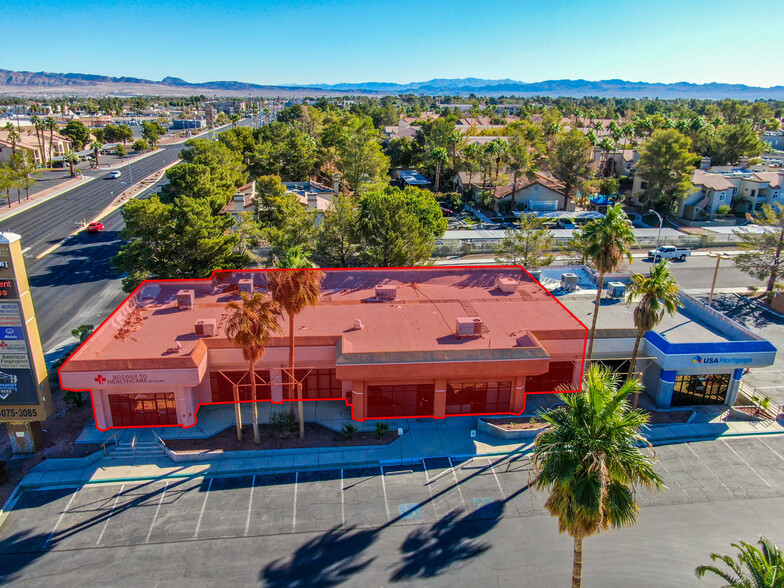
pixel 410 342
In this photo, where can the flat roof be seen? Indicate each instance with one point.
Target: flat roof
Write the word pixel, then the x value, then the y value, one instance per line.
pixel 421 320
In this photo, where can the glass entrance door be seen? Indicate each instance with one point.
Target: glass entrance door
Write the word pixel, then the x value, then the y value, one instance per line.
pixel 700 389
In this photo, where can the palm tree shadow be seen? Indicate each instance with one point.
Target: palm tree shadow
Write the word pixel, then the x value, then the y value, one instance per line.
pixel 429 551
pixel 17 552
pixel 327 560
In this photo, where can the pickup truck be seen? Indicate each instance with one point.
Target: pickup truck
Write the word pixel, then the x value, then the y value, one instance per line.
pixel 668 252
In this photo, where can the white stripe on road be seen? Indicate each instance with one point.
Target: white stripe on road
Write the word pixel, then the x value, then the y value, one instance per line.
pixel 26 249
pixel 250 506
pixel 384 486
pixel 773 450
pixel 203 506
pixel 457 483
pixel 294 519
pixel 747 463
pixel 342 499
pixel 155 517
pixel 673 478
pixel 111 512
pixel 496 478
pixel 62 514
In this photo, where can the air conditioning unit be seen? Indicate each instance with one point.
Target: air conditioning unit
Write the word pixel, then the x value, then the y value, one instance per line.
pixel 186 299
pixel 468 326
pixel 206 327
pixel 245 285
pixel 506 285
pixel 536 274
pixel 616 289
pixel 569 281
pixel 386 292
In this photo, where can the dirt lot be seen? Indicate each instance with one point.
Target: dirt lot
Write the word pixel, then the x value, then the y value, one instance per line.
pixel 315 436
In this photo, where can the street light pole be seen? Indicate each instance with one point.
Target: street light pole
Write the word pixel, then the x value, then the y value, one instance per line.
pixel 719 257
pixel 661 222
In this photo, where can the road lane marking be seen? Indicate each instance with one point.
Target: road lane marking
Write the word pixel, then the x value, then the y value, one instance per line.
pixel 773 450
pixel 384 486
pixel 294 519
pixel 201 514
pixel 457 483
pixel 503 494
pixel 342 499
pixel 111 512
pixel 747 463
pixel 709 469
pixel 250 505
pixel 62 514
pixel 673 479
pixel 155 517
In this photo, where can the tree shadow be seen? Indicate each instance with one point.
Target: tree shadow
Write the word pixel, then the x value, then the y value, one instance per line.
pixel 17 552
pixel 429 551
pixel 327 560
pixel 745 312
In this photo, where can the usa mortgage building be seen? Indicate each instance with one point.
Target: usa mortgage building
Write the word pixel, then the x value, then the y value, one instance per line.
pixel 421 342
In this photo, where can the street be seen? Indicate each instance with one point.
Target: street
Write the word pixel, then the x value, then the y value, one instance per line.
pixel 443 522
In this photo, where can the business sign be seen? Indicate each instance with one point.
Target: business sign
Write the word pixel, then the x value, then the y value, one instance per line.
pixel 9 309
pixel 125 379
pixel 16 347
pixel 14 362
pixel 17 387
pixel 715 361
pixel 12 334
pixel 8 289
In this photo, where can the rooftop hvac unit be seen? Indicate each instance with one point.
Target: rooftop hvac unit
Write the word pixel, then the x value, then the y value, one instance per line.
pixel 206 327
pixel 616 289
pixel 186 299
pixel 468 326
pixel 569 281
pixel 536 274
pixel 386 292
pixel 506 285
pixel 245 285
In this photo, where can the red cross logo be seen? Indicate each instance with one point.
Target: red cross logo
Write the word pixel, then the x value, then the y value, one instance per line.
pixel 3 344
pixel 100 379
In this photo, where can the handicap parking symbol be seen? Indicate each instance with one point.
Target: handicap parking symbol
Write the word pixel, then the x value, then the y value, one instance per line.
pixel 409 511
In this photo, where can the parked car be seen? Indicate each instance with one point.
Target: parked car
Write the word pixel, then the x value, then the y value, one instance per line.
pixel 94 227
pixel 668 252
pixel 115 174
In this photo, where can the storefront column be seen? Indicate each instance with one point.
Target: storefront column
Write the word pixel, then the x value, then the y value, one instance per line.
pixel 665 389
pixel 734 387
pixel 101 410
pixel 439 399
pixel 186 411
pixel 276 386
pixel 517 400
pixel 359 401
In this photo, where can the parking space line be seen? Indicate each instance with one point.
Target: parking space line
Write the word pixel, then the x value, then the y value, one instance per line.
pixel 59 520
pixel 496 477
pixel 294 519
pixel 203 506
pixel 429 489
pixel 111 512
pixel 747 464
pixel 710 470
pixel 457 483
pixel 250 505
pixel 773 450
pixel 157 509
pixel 342 500
pixel 673 479
pixel 384 486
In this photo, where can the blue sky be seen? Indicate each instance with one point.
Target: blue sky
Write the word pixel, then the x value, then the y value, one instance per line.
pixel 329 41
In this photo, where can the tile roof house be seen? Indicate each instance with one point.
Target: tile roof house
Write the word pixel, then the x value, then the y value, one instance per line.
pixel 29 142
pixel 540 192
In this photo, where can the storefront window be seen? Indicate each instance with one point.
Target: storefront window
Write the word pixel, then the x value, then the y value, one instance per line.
pixel 136 410
pixel 222 385
pixel 700 389
pixel 478 397
pixel 559 377
pixel 400 401
pixel 319 383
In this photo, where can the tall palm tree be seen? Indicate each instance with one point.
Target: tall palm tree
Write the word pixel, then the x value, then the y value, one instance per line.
pixel 249 326
pixel 440 156
pixel 761 567
pixel 50 125
pixel 294 289
pixel 658 294
pixel 96 147
pixel 13 136
pixel 607 241
pixel 71 159
pixel 590 459
pixel 38 125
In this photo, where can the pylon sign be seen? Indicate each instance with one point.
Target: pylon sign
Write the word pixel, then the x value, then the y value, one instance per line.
pixel 24 385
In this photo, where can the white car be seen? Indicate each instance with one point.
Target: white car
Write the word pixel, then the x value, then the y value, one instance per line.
pixel 115 174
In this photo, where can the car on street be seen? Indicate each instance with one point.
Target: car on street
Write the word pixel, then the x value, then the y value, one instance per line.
pixel 115 174
pixel 668 252
pixel 94 227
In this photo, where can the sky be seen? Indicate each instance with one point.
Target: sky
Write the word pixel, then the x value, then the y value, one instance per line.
pixel 331 41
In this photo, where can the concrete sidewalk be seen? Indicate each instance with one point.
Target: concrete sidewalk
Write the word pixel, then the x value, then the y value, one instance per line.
pixel 422 438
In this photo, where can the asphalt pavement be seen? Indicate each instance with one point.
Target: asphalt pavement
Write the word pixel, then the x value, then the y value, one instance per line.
pixel 444 522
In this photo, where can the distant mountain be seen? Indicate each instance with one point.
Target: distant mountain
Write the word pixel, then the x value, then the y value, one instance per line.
pixel 44 83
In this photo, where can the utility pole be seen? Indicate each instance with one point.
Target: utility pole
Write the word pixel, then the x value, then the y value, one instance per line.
pixel 719 257
pixel 661 222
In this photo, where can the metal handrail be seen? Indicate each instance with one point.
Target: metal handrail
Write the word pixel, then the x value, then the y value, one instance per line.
pixel 103 445
pixel 158 438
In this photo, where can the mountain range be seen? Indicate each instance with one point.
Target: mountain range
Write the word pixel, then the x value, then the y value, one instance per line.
pixel 25 83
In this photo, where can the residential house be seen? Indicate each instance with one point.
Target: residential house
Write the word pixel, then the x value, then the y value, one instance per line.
pixel 618 162
pixel 28 141
pixel 540 192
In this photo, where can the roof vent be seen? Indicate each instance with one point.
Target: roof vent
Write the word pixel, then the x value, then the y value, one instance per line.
pixel 358 326
pixel 245 285
pixel 468 326
pixel 386 292
pixel 186 299
pixel 206 327
pixel 506 285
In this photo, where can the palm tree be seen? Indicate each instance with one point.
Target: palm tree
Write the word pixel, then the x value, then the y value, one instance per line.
pixel 293 290
pixel 590 459
pixel 96 147
pixel 71 159
pixel 38 125
pixel 249 326
pixel 50 125
pixel 607 241
pixel 13 136
pixel 761 567
pixel 440 156
pixel 606 145
pixel 658 293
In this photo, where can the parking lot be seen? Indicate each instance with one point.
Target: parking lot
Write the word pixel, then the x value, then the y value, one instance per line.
pixel 184 509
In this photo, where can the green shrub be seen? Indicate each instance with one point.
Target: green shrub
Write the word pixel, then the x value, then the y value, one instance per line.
pixel 381 430
pixel 73 399
pixel 348 431
pixel 723 209
pixel 283 422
